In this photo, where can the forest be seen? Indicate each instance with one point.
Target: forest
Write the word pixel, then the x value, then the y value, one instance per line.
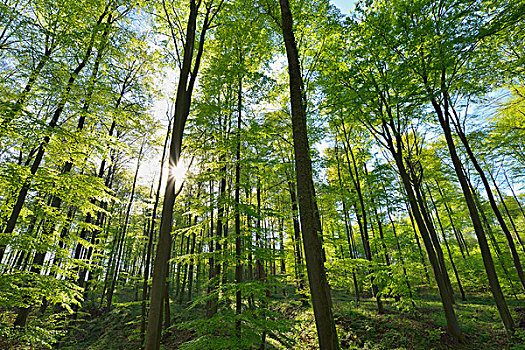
pixel 262 174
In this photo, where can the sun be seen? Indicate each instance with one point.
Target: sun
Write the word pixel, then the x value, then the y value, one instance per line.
pixel 179 172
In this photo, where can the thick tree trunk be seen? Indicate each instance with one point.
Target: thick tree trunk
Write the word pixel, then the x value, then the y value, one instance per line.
pixel 310 223
pixel 187 78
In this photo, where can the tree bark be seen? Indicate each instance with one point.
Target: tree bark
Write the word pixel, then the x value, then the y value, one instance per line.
pixel 310 223
pixel 151 237
pixel 185 86
pixel 444 120
pixel 492 200
pixel 123 233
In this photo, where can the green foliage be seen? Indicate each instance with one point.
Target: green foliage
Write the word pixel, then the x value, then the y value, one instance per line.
pixel 372 80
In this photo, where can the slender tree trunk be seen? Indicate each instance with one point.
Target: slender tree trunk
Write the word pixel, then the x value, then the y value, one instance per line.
pixel 459 236
pixel 124 230
pixel 401 257
pixel 211 259
pixel 425 212
pixel 49 225
pixel 49 49
pixel 516 233
pixel 185 271
pixel 493 205
pixel 514 195
pixel 167 310
pixel 216 274
pixel 192 262
pixel 397 152
pixel 179 267
pixel 443 235
pixel 490 233
pixel 421 254
pixel 444 120
pixel 361 214
pixel 238 238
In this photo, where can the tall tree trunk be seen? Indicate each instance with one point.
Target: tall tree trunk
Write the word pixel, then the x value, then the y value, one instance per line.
pixel 425 213
pixel 396 149
pixel 514 194
pixel 361 214
pixel 421 254
pixel 124 230
pixel 151 237
pixel 56 202
pixel 492 201
pixel 443 235
pixel 394 231
pixel 310 223
pixel 193 261
pixel 187 78
pixel 238 238
pixel 216 273
pixel 297 241
pixel 50 46
pixel 490 233
pixel 444 120
pixel 459 236
pixel 513 224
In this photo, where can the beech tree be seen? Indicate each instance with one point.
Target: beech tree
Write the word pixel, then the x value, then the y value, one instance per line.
pixel 324 177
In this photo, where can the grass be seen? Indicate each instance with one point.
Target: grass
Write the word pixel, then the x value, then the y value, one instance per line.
pixel 359 326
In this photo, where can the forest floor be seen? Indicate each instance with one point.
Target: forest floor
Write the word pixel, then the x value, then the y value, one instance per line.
pixel 359 326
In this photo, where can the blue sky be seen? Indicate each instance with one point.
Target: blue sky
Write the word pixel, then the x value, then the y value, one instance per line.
pixel 344 5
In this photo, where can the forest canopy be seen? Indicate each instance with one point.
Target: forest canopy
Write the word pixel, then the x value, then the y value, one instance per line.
pixel 269 174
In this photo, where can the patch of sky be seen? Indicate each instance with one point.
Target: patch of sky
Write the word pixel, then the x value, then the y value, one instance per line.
pixel 344 5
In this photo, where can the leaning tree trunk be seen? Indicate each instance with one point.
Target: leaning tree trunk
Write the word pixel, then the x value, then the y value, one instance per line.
pixel 492 201
pixel 495 287
pixel 443 235
pixel 395 146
